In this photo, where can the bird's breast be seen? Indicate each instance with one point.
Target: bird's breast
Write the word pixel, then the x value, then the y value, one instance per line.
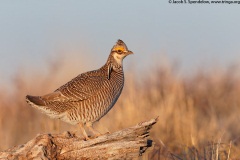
pixel 110 93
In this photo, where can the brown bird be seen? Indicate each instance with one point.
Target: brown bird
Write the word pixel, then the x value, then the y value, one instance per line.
pixel 89 96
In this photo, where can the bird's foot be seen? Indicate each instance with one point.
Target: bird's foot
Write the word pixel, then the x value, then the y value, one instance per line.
pixel 87 138
pixel 99 134
pixel 96 135
pixel 69 134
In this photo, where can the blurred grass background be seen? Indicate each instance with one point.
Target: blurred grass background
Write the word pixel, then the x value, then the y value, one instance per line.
pixel 199 113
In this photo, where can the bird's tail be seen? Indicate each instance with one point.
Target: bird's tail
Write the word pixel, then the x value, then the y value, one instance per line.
pixel 35 100
pixel 38 103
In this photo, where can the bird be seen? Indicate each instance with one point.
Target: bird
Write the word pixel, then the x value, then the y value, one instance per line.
pixel 86 98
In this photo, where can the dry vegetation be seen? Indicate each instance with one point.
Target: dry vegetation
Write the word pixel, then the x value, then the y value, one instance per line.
pixel 199 114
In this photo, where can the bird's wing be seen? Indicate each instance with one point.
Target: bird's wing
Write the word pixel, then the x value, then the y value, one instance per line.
pixel 80 88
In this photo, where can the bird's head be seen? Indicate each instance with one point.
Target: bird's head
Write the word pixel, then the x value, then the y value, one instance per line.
pixel 120 51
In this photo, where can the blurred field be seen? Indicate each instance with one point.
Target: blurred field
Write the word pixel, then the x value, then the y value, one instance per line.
pixel 199 114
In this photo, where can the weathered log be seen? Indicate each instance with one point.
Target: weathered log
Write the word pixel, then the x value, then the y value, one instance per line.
pixel 128 143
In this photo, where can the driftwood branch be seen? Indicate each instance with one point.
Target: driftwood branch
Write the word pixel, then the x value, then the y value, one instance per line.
pixel 128 143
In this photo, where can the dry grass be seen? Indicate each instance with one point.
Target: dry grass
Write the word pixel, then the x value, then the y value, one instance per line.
pixel 199 114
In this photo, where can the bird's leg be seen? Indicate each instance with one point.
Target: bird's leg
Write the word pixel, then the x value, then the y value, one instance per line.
pixel 83 131
pixel 94 132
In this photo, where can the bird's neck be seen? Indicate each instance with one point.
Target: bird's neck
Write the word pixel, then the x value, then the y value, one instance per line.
pixel 114 64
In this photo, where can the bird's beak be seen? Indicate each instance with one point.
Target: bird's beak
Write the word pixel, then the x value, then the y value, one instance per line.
pixel 129 52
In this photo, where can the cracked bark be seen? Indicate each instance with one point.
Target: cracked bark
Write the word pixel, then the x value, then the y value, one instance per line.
pixel 129 143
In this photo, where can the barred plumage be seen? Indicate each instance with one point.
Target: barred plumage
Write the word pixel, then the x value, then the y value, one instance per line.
pixel 88 97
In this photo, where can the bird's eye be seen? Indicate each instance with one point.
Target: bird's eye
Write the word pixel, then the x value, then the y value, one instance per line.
pixel 119 51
